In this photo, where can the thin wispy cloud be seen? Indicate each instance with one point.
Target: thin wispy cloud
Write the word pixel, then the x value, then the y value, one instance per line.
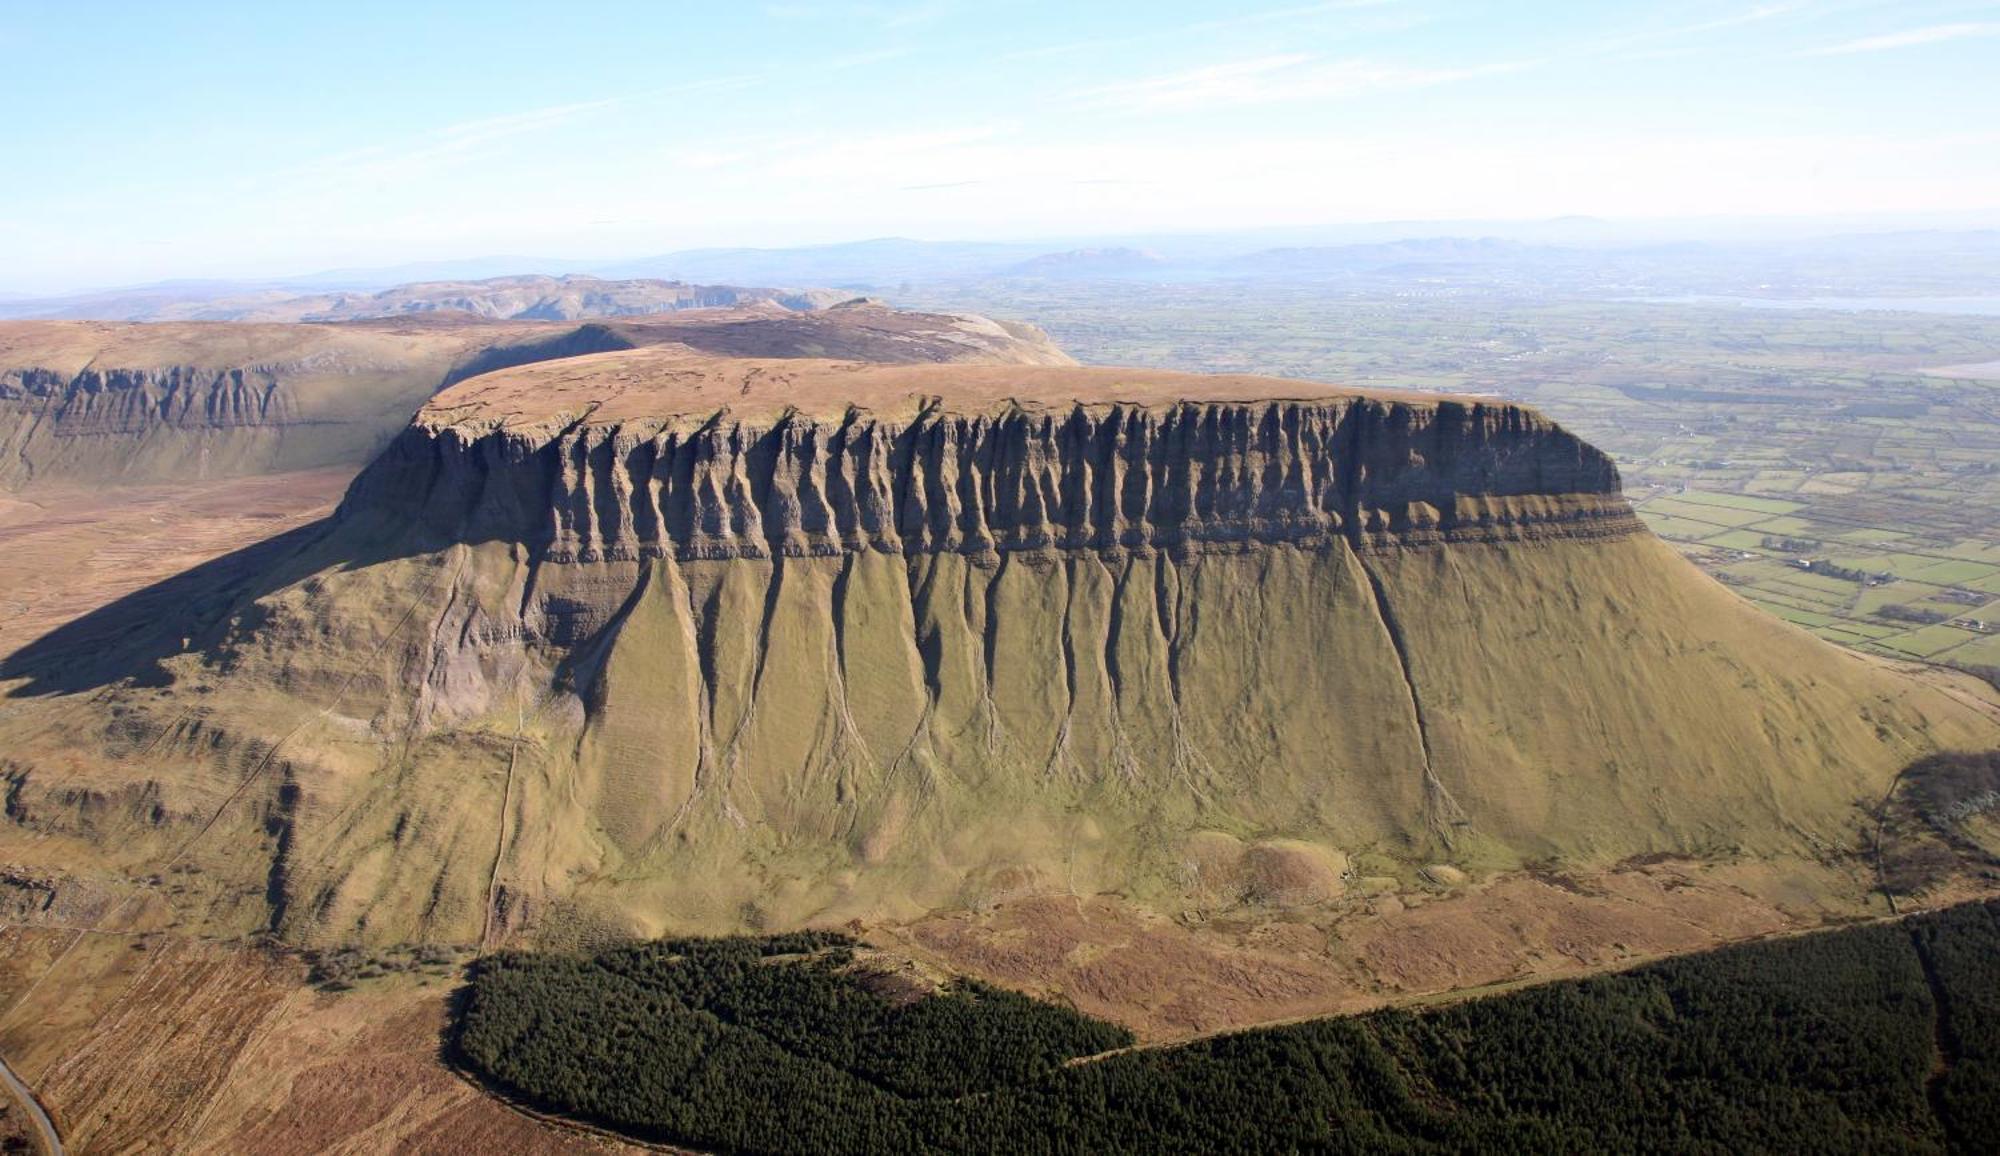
pixel 701 160
pixel 1909 38
pixel 864 59
pixel 791 120
pixel 1755 15
pixel 1277 79
pixel 470 138
pixel 1293 13
pixel 886 147
pixel 886 16
pixel 923 152
pixel 1667 40
pixel 1220 24
pixel 471 134
pixel 1073 47
pixel 912 15
pixel 450 140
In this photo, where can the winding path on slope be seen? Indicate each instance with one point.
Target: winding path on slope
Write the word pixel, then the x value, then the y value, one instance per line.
pixel 51 1142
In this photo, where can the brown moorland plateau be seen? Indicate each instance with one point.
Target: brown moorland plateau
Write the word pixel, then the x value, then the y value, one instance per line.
pixel 130 453
pixel 1196 701
pixel 525 297
pixel 101 402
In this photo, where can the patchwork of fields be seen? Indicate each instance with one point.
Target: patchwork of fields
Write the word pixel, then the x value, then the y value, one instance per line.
pixel 1895 592
pixel 1841 470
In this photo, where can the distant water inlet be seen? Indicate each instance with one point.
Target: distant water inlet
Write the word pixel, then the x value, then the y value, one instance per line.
pixel 1986 306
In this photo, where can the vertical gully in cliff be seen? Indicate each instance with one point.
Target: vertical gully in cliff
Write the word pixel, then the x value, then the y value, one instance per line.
pixel 41 415
pixel 1189 765
pixel 922 605
pixel 733 753
pixel 698 632
pixel 848 752
pixel 1123 757
pixel 1059 755
pixel 989 641
pixel 1442 812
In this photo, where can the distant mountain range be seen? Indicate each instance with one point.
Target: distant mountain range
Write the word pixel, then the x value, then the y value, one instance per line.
pixel 1577 256
pixel 517 298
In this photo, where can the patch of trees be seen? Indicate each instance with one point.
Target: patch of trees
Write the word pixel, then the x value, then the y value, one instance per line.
pixel 1925 831
pixel 1865 1039
pixel 1891 409
pixel 1949 787
pixel 1791 545
pixel 1981 670
pixel 340 969
pixel 1915 614
pixel 1845 573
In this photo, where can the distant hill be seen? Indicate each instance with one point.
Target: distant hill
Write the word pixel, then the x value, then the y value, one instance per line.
pixel 100 403
pixel 1431 252
pixel 881 261
pixel 1119 261
pixel 1576 256
pixel 556 299
pixel 515 298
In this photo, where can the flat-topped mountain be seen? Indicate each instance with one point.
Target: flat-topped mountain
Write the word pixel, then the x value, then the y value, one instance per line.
pixel 649 639
pixel 756 458
pixel 98 401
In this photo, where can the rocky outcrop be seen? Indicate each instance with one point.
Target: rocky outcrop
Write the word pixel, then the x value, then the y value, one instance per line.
pixel 1107 477
pixel 533 298
pixel 647 641
pixel 526 297
pixel 134 401
pixel 90 402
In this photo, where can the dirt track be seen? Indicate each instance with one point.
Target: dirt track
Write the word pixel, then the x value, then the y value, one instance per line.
pixel 51 1142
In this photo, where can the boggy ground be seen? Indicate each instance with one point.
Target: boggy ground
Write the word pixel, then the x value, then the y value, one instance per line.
pixel 141 1040
pixel 1173 979
pixel 154 1042
pixel 68 549
pixel 161 1044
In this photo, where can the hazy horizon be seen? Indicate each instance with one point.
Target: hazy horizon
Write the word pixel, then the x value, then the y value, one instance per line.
pixel 245 142
pixel 1572 231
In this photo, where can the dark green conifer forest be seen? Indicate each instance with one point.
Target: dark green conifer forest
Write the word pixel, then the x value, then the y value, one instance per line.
pixel 1883 1038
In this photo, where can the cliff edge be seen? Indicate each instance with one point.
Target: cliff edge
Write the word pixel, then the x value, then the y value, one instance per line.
pixel 649 640
pixel 658 452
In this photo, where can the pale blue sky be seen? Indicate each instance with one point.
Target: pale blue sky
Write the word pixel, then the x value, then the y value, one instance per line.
pixel 233 139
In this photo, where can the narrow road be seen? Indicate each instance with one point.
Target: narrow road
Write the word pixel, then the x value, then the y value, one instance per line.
pixel 51 1143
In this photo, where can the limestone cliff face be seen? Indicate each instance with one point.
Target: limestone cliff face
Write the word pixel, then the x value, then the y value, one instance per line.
pixel 83 402
pixel 133 401
pixel 532 298
pixel 1109 477
pixel 652 641
pixel 91 402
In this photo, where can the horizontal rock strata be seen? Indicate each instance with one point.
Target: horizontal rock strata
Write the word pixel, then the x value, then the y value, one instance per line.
pixel 132 401
pixel 1189 475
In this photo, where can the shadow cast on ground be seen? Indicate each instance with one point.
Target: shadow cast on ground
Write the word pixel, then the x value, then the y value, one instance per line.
pixel 129 640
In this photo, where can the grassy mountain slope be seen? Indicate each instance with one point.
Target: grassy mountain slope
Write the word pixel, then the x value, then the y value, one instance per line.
pixel 559 667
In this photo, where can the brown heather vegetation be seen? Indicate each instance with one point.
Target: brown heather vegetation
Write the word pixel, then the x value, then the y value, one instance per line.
pixel 1193 702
